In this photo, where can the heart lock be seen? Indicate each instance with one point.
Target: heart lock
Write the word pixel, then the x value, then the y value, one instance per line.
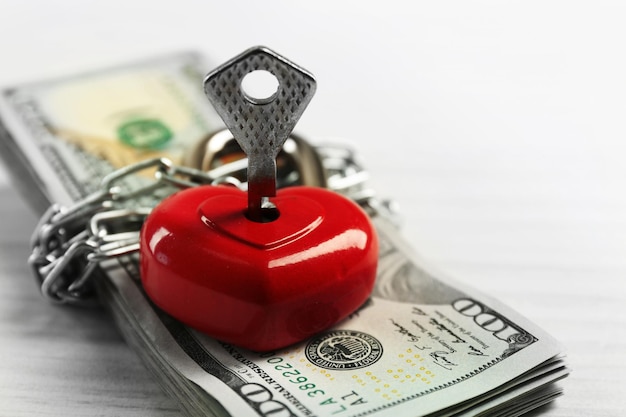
pixel 248 270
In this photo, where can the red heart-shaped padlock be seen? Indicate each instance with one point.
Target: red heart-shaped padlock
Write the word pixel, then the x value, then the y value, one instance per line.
pixel 258 285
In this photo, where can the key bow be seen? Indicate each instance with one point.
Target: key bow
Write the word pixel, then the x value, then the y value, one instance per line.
pixel 260 125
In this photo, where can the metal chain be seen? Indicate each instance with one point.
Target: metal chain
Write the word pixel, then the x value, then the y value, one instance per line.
pixel 70 242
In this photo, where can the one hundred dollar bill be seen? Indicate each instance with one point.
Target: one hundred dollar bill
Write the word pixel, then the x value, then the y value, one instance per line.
pixel 421 345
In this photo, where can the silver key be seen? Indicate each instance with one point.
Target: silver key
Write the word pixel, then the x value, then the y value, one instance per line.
pixel 260 121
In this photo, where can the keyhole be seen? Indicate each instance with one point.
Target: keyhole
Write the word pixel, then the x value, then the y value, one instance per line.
pixel 260 87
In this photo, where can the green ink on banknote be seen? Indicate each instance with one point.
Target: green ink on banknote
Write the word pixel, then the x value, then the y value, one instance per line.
pixel 144 134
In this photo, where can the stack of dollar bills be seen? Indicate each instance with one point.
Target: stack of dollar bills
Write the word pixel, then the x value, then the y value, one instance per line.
pixel 422 344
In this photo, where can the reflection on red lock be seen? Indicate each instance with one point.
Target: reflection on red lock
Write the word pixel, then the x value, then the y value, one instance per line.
pixel 258 285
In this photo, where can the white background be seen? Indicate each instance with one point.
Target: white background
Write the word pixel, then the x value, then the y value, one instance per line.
pixel 497 125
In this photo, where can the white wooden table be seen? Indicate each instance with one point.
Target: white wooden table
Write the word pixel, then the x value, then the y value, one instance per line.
pixel 498 126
